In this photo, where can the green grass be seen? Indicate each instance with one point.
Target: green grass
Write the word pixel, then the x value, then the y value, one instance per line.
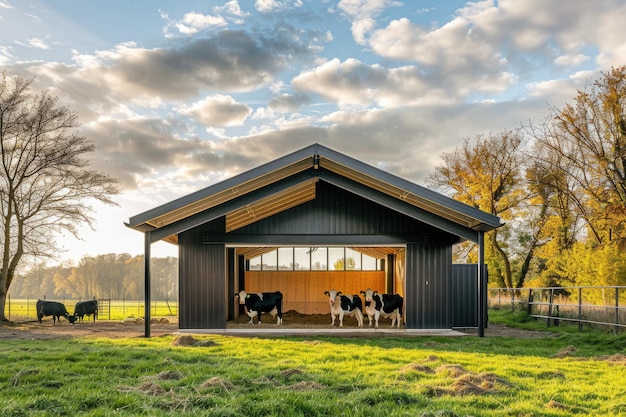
pixel 322 376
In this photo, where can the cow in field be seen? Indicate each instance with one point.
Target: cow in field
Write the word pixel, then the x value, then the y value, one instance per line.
pixel 383 305
pixel 54 309
pixel 262 302
pixel 344 305
pixel 86 308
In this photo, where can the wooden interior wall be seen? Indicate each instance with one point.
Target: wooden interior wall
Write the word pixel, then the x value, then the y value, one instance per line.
pixel 303 291
pixel 399 273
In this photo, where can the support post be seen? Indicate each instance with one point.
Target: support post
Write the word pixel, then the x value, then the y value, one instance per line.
pixel 146 268
pixel 482 285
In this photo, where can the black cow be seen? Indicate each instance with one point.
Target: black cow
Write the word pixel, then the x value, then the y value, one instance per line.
pixel 86 308
pixel 383 305
pixel 54 309
pixel 262 302
pixel 342 305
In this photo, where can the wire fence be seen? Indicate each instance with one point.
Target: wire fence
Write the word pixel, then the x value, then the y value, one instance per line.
pixel 603 306
pixel 24 309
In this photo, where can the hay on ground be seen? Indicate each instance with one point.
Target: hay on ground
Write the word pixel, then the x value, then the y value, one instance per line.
pixel 563 353
pixel 418 368
pixel 306 386
pixel 454 371
pixel 217 382
pixel 151 388
pixel 290 372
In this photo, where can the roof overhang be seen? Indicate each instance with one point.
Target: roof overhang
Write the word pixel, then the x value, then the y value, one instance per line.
pixel 290 181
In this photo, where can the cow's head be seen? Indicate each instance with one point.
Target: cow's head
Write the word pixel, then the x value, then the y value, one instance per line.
pixel 242 297
pixel 332 295
pixel 71 319
pixel 369 294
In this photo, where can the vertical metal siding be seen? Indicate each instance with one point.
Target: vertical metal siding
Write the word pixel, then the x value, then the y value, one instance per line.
pixel 428 279
pixel 464 295
pixel 202 277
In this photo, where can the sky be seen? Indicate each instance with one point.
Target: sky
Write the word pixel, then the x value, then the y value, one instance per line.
pixel 179 95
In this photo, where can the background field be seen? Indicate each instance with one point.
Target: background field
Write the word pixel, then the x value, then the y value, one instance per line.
pixel 20 309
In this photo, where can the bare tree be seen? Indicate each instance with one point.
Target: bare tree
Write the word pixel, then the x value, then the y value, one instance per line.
pixel 45 180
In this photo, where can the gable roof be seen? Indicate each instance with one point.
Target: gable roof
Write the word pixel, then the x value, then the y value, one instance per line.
pixel 288 181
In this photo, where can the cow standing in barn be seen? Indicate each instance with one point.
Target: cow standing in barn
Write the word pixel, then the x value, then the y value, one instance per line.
pixel 54 309
pixel 383 305
pixel 86 308
pixel 264 302
pixel 344 305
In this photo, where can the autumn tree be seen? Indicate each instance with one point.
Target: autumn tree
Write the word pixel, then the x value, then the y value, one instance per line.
pixel 487 172
pixel 582 149
pixel 585 143
pixel 45 180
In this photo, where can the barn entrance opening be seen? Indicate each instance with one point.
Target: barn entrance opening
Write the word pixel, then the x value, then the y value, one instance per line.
pixel 304 273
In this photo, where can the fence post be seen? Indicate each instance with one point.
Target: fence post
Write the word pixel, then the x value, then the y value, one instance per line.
pixel 529 309
pixel 550 300
pixel 616 331
pixel 580 309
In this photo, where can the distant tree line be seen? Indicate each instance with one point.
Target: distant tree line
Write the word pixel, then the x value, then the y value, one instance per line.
pixel 114 276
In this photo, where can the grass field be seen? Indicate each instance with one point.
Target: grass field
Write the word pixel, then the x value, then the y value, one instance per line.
pixel 563 374
pixel 116 310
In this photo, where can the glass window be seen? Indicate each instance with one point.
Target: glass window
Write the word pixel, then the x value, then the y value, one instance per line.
pixel 285 259
pixel 369 263
pixel 255 264
pixel 302 258
pixel 336 259
pixel 315 259
pixel 319 259
pixel 270 261
pixel 353 260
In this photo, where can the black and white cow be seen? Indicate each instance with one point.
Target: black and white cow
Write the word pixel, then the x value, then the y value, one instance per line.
pixel 86 308
pixel 262 302
pixel 344 305
pixel 54 309
pixel 383 305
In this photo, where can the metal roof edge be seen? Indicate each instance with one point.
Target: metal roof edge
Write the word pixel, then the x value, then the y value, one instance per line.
pixel 314 151
pixel 434 196
pixel 245 176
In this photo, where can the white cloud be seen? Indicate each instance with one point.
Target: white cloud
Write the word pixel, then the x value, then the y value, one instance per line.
pixel 267 6
pixel 571 60
pixel 217 111
pixel 192 23
pixel 38 43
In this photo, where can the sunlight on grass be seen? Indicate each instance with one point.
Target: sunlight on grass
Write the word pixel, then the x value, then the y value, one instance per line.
pixel 224 376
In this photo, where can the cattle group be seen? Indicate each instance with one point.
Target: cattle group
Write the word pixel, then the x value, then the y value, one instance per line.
pixel 58 310
pixel 376 306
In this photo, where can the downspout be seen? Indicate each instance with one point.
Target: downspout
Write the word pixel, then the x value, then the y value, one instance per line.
pixel 146 268
pixel 482 285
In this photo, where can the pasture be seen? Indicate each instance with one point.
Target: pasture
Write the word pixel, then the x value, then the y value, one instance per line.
pixel 113 310
pixel 556 374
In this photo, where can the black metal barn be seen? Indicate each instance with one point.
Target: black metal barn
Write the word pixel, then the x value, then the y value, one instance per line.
pixel 319 197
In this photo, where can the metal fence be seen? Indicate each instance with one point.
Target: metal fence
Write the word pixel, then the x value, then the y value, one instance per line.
pixel 593 305
pixel 107 309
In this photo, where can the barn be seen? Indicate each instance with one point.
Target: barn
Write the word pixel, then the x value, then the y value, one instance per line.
pixel 314 220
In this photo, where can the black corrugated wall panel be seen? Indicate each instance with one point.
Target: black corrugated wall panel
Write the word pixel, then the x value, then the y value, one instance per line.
pixel 202 280
pixel 428 285
pixel 465 295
